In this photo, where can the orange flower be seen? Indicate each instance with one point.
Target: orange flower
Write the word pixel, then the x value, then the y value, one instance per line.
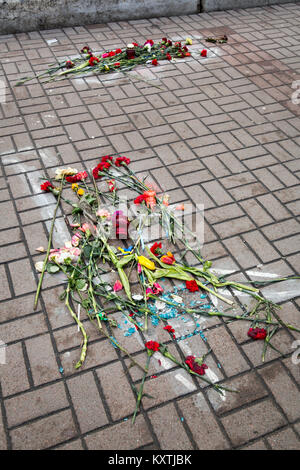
pixel 149 198
pixel 168 258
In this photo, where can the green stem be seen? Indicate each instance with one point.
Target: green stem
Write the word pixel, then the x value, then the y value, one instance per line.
pixel 140 394
pixel 48 248
pixel 85 338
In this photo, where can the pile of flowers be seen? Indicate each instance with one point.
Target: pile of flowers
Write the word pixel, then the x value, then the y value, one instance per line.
pixel 90 255
pixel 118 59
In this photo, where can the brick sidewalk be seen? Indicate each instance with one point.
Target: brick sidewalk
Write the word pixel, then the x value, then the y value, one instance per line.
pixel 222 131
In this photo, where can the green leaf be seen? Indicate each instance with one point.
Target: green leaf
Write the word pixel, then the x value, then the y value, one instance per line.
pixel 171 272
pixel 123 261
pixel 89 198
pixel 52 268
pixel 125 282
pixel 80 284
pixel 87 251
pixel 77 210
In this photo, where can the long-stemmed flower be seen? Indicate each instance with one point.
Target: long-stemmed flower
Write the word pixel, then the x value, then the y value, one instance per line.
pixel 51 188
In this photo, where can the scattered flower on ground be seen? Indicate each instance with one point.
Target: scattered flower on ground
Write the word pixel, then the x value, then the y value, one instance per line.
pixel 47 186
pixel 257 333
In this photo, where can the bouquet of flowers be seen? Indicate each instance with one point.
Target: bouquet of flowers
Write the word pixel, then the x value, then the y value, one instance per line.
pixel 115 60
pixel 90 255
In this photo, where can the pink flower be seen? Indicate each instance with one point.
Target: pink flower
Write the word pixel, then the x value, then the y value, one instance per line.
pixel 149 291
pixel 103 213
pixel 60 255
pixel 157 289
pixel 139 268
pixel 75 239
pixel 118 286
pixel 87 227
pixel 105 55
pixel 75 252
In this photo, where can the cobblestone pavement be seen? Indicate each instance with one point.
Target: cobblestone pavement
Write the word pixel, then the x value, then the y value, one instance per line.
pixel 221 130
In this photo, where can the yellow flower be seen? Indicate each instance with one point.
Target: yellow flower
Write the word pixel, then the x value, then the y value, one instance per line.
pixel 188 41
pixel 106 67
pixel 74 186
pixel 146 262
pixel 80 192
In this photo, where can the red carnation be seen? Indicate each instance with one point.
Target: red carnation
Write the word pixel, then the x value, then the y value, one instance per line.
pixel 257 333
pixel 122 161
pixel 92 61
pixel 135 44
pixel 204 53
pixel 46 186
pixel 106 158
pixel 152 345
pixel 156 249
pixel 190 360
pixel 168 56
pixel 78 177
pixel 71 179
pixel 194 366
pixel 164 40
pixel 117 64
pixel 154 62
pixel 139 199
pixel 100 167
pixel 118 51
pixel 192 286
pixel 149 41
pixel 111 53
pixel 104 165
pixel 95 172
pixel 169 328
